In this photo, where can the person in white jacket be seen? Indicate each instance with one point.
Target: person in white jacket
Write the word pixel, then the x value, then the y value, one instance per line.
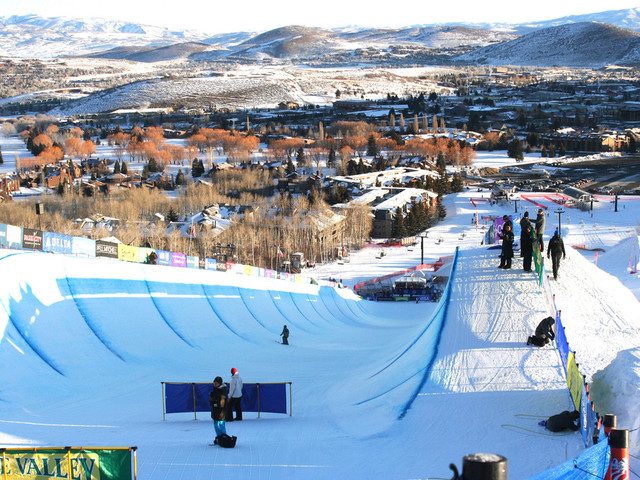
pixel 235 396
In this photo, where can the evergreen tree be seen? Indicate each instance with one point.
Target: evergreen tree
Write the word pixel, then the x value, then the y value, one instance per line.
pixel 372 148
pixel 1 159
pixel 300 159
pixel 172 216
pixel 331 160
pixel 152 165
pixel 562 150
pixel 195 168
pixel 398 230
pixel 180 180
pixel 457 185
pixel 441 211
pixel 290 167
pixel 543 151
pixel 61 187
pixel 514 150
pixel 116 167
pixel 124 169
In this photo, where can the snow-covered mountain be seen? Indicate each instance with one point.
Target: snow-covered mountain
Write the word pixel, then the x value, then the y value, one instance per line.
pixel 35 36
pixel 585 44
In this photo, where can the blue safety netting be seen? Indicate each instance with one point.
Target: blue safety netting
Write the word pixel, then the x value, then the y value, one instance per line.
pixel 592 463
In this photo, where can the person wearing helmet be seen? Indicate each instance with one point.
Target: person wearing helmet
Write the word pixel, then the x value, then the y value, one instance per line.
pixel 235 396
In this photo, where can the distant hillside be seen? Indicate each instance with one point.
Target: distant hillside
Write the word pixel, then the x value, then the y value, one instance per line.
pixel 153 54
pixel 586 44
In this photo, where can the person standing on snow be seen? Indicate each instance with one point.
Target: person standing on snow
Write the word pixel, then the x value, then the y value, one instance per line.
pixel 218 403
pixel 285 335
pixel 235 396
pixel 541 221
pixel 507 246
pixel 555 250
pixel 527 236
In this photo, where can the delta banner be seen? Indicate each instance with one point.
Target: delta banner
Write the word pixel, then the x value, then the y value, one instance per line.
pixel 32 239
pixel 57 243
pixel 106 249
pixel 83 246
pixel 72 463
pixel 127 253
pixel 256 397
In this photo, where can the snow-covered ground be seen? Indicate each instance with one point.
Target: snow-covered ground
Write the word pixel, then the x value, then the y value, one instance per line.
pixel 84 358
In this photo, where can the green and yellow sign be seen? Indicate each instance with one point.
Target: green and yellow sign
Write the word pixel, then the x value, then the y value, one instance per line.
pixel 72 464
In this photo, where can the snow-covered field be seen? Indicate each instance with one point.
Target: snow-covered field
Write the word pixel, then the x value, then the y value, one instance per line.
pixel 356 366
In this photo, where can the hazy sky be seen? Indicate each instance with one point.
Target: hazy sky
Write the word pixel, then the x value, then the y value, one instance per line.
pixel 219 16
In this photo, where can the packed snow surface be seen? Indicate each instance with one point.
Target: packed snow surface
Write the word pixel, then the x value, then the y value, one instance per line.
pixel 379 389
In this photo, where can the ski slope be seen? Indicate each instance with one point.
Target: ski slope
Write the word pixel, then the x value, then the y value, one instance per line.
pixel 379 389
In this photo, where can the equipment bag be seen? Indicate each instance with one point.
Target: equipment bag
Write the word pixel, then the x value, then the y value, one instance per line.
pixel 226 441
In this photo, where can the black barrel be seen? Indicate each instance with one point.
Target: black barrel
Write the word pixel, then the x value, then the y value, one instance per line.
pixel 484 466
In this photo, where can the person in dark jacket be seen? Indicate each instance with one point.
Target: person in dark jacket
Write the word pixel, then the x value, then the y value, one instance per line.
pixel 555 250
pixel 544 333
pixel 563 421
pixel 541 221
pixel 526 242
pixel 218 402
pixel 285 335
pixel 507 247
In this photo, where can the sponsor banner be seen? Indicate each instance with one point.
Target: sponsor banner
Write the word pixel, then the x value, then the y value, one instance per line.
pixel 261 272
pixel 210 264
pixel 143 254
pixel 203 262
pixel 83 246
pixel 587 418
pixel 299 278
pixel 498 223
pixel 128 253
pixel 56 242
pixel 14 236
pixel 164 257
pixel 268 273
pixel 79 464
pixel 246 269
pixel 574 381
pixel 178 259
pixel 106 249
pixel 32 238
pixel 192 262
pixel 229 266
pixel 3 235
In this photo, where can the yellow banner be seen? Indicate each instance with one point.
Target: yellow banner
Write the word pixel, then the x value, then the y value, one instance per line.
pixel 44 466
pixel 127 253
pixel 574 380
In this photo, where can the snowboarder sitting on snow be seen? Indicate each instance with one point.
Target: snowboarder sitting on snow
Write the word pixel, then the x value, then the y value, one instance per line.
pixel 562 421
pixel 544 333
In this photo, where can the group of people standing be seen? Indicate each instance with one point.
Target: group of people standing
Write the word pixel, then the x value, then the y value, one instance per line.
pixel 223 403
pixel 531 238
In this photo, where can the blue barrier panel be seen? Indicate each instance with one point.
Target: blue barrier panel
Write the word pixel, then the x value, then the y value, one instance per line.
pixel 592 463
pixel 273 397
pixel 561 343
pixel 194 397
pixel 587 418
pixel 178 397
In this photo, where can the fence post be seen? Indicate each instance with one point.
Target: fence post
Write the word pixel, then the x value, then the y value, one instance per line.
pixel 484 466
pixel 4 463
pixel 163 406
pixel 610 421
pixel 619 463
pixel 193 391
pixel 258 388
pixel 290 401
pixel 135 463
